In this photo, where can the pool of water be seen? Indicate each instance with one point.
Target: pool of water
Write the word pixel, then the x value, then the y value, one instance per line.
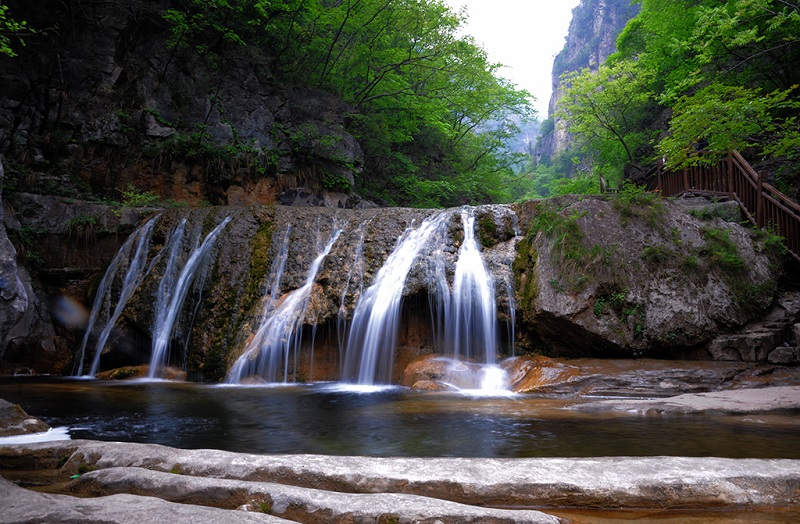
pixel 336 420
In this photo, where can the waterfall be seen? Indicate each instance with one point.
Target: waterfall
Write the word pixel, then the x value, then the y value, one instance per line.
pixel 133 277
pixel 373 334
pixel 172 291
pixel 268 353
pixel 471 321
pixel 357 269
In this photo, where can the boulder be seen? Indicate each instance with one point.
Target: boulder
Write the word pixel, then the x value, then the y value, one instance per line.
pixel 538 374
pixel 14 421
pixel 757 340
pixel 636 276
pixel 785 355
pixel 439 373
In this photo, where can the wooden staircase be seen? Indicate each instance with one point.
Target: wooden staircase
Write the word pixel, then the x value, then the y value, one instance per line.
pixel 733 177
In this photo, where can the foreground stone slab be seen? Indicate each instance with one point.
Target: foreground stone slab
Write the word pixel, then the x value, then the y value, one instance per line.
pixel 18 505
pixel 734 401
pixel 296 503
pixel 608 482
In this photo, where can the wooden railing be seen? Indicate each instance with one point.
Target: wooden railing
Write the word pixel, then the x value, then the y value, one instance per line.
pixel 733 177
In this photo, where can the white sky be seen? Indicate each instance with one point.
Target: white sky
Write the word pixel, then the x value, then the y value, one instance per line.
pixel 524 35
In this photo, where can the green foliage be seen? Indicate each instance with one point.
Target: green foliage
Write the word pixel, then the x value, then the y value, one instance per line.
pixel 723 72
pixel 134 197
pixel 26 242
pixel 633 201
pixel 720 251
pixel 583 184
pixel 82 228
pixel 11 29
pixel 657 254
pixel 731 117
pixel 604 109
pixel 336 182
pixel 431 113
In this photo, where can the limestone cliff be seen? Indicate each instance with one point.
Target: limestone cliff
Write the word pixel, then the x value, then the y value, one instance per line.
pixel 103 102
pixel 592 38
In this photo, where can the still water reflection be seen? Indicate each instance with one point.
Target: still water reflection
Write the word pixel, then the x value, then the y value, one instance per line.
pixel 328 419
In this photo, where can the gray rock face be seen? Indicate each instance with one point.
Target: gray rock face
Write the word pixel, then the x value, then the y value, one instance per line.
pixel 757 340
pixel 13 295
pixel 296 503
pixel 785 355
pixel 21 505
pixel 615 482
pixel 736 401
pixel 14 421
pixel 122 85
pixel 592 38
pixel 625 278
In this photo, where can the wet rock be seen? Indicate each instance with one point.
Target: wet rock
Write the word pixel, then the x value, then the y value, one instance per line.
pixel 440 373
pixel 785 355
pixel 539 374
pixel 131 372
pixel 640 377
pixel 22 505
pixel 761 400
pixel 756 341
pixel 796 334
pixel 613 482
pixel 14 421
pixel 296 503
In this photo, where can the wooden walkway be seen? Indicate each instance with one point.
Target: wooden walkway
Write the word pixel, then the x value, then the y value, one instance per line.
pixel 733 177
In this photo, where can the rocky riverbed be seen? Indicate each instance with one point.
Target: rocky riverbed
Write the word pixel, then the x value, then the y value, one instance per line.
pixel 89 481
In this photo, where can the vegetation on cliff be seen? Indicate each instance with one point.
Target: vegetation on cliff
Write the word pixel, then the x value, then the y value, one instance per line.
pixel 424 103
pixel 692 76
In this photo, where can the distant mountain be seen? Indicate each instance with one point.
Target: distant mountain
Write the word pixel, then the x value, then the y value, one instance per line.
pixel 592 38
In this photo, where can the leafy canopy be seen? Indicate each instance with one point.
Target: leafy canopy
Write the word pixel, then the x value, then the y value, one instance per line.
pixel 430 110
pixel 693 72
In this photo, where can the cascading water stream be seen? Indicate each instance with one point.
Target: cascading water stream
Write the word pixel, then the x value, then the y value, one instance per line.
pixel 268 353
pixel 133 277
pixel 172 291
pixel 471 321
pixel 373 334
pixel 356 269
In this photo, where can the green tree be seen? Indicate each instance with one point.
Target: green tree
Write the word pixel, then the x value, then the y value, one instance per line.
pixel 604 110
pixel 429 109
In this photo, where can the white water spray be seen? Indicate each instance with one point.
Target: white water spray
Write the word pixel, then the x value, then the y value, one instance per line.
pixel 172 292
pixel 471 321
pixel 133 277
pixel 268 353
pixel 373 334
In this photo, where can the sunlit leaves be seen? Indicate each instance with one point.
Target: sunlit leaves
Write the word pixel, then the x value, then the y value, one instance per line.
pixel 10 29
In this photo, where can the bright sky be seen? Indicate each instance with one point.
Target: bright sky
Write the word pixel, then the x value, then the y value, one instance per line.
pixel 524 35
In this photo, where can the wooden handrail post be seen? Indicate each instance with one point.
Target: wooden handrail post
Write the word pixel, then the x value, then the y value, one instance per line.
pixel 730 174
pixel 685 180
pixel 760 202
